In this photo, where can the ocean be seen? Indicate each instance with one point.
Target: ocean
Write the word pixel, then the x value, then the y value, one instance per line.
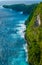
pixel 13 46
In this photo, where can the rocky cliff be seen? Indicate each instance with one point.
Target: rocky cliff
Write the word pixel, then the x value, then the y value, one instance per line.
pixel 33 36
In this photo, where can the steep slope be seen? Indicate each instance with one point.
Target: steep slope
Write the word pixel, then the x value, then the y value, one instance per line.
pixel 26 9
pixel 34 36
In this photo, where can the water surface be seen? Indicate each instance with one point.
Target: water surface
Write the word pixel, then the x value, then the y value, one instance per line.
pixel 12 41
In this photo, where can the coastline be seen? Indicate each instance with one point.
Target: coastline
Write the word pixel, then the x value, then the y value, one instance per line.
pixel 33 36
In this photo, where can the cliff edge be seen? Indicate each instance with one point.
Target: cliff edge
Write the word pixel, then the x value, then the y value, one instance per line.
pixel 33 36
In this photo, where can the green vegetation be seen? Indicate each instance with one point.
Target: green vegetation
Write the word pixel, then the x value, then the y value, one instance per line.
pixel 33 36
pixel 21 7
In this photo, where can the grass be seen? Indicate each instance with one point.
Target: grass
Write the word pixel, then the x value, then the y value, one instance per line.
pixel 34 37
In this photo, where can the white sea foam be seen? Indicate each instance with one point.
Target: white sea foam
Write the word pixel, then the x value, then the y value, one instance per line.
pixel 21 27
pixel 25 48
pixel 21 33
pixel 27 58
pixel 21 30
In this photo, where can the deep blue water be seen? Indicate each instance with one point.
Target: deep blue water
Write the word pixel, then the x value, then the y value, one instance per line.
pixel 12 41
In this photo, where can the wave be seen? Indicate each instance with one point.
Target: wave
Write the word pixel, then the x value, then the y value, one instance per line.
pixel 25 48
pixel 21 30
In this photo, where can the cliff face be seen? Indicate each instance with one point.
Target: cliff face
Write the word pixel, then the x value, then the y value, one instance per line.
pixel 34 36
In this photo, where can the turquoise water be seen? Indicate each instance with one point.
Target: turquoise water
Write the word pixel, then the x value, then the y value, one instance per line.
pixel 12 41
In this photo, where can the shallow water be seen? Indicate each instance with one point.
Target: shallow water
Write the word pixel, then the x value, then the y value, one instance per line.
pixel 12 41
